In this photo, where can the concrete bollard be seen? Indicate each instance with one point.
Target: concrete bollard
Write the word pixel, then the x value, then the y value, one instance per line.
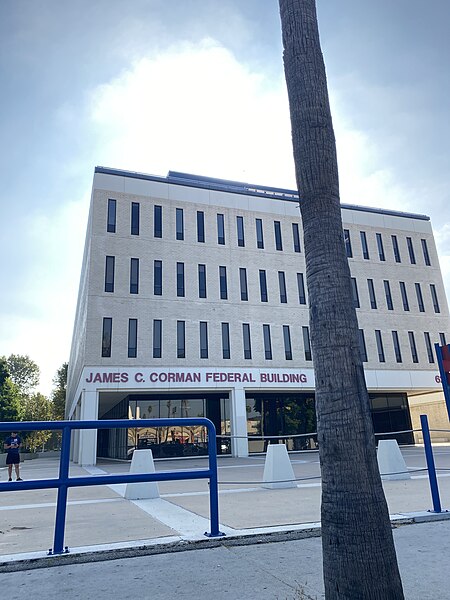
pixel 142 462
pixel 278 468
pixel 390 461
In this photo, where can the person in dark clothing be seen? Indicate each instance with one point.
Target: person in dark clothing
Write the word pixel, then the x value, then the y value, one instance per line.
pixel 12 446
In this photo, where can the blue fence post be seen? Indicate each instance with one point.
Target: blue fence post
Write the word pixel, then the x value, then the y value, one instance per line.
pixel 61 505
pixel 213 484
pixel 430 464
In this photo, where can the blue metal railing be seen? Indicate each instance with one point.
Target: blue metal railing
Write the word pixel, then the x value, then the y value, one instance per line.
pixel 63 482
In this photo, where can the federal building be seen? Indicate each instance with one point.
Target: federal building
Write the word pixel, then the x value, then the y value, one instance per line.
pixel 193 302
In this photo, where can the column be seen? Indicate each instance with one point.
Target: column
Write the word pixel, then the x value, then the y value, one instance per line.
pixel 75 445
pixel 239 445
pixel 87 452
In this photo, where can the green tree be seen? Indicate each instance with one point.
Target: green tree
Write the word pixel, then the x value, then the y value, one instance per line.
pixel 359 560
pixel 10 400
pixel 58 395
pixel 24 372
pixel 36 407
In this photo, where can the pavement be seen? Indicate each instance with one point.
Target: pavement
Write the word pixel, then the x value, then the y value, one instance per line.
pixel 271 548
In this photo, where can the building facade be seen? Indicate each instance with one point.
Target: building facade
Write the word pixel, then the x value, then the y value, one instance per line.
pixel 193 302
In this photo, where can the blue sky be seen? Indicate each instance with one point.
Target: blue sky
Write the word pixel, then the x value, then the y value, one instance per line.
pixel 197 86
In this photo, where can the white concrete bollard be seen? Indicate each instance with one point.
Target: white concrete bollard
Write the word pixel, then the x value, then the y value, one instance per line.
pixel 390 461
pixel 142 462
pixel 278 468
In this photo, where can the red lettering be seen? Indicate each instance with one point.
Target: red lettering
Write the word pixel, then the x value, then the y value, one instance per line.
pixel 138 377
pixel 153 377
pixel 209 376
pixel 171 377
pixel 116 378
pixel 124 378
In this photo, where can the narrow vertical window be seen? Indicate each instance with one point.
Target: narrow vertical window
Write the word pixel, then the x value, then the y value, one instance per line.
pixel 442 339
pixel 380 247
pixel 111 218
pixel 278 239
pixel 225 340
pixel 200 226
pixel 434 298
pixel 364 246
pixel 157 222
pixel 202 281
pixel 420 303
pixel 180 280
pixel 404 295
pixel 362 345
pixel 372 297
pixel 307 343
pixel 223 283
pixel 263 286
pixel 179 224
pixel 157 338
pixel 135 218
pixel 132 338
pixel 109 273
pixel 106 337
pixel 134 276
pixel 259 234
pixel 240 231
pixel 267 342
pixel 157 277
pixel 426 256
pixel 355 293
pixel 282 285
pixel 243 283
pixel 296 237
pixel 301 288
pixel 348 244
pixel 412 345
pixel 246 341
pixel 380 348
pixel 396 249
pixel 220 230
pixel 287 342
pixel 387 291
pixel 412 256
pixel 181 339
pixel 397 351
pixel 429 347
pixel 203 339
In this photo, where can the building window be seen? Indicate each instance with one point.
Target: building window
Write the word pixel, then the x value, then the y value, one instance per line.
pixel 364 246
pixel 226 340
pixel 404 295
pixel 246 341
pixel 442 339
pixel 362 346
pixel 203 339
pixel 202 281
pixel 282 285
pixel 429 347
pixel 380 348
pixel 134 276
pixel 267 342
pixel 296 237
pixel 200 226
pixel 307 343
pixel 135 218
pixel 434 298
pixel 157 221
pixel 412 256
pixel 243 283
pixel 179 224
pixel 372 297
pixel 287 342
pixel 263 286
pixel 387 291
pixel 109 273
pixel 106 337
pixel 395 248
pixel 181 339
pixel 348 244
pixel 223 283
pixel 420 303
pixel 355 293
pixel 412 345
pixel 301 288
pixel 278 239
pixel 157 277
pixel 220 230
pixel 111 218
pixel 240 231
pixel 132 338
pixel 259 234
pixel 426 256
pixel 380 247
pixel 180 280
pixel 157 338
pixel 397 351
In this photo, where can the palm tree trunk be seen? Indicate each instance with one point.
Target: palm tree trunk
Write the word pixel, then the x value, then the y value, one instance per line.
pixel 359 560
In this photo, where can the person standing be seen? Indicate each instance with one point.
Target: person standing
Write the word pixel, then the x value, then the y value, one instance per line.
pixel 12 446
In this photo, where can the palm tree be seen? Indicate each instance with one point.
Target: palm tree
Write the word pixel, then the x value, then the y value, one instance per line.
pixel 359 560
